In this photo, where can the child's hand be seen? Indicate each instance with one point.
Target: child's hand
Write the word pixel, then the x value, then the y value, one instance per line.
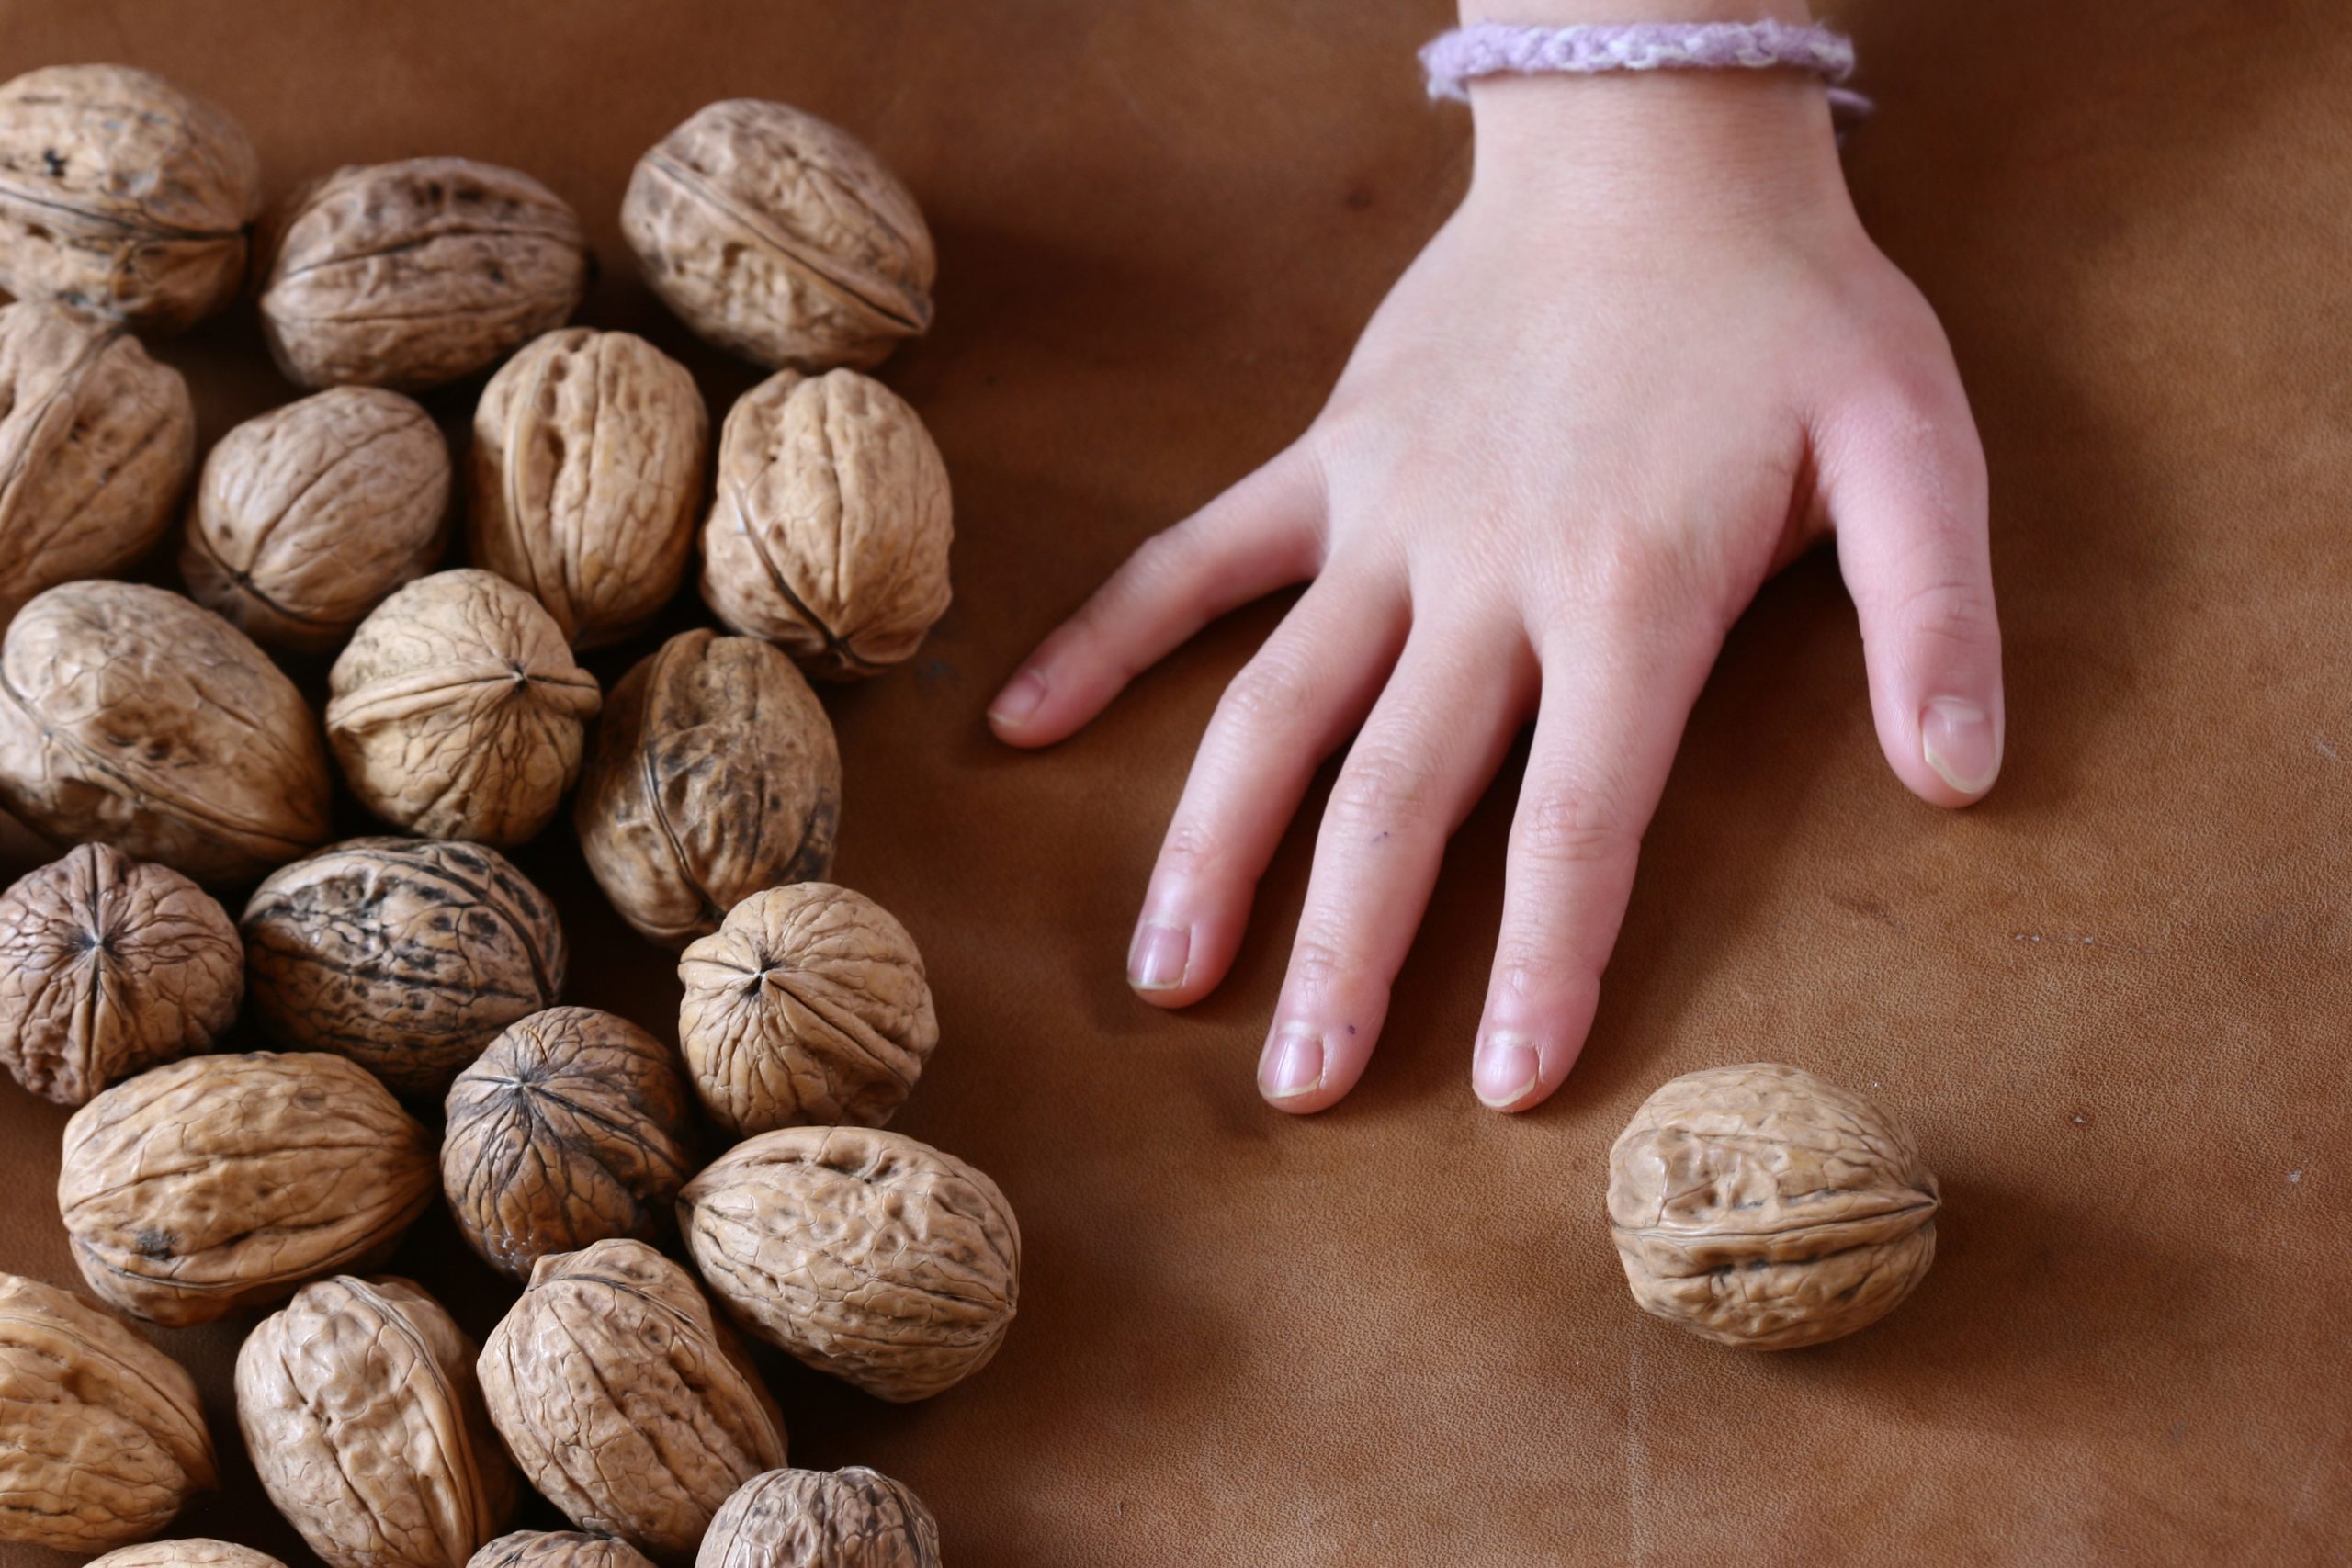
pixel 1651 358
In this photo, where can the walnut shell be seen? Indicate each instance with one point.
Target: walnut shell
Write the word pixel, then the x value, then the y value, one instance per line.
pixel 867 1254
pixel 558 1549
pixel 107 967
pixel 101 1437
pixel 574 1127
pixel 97 443
pixel 809 1004
pixel 584 477
pixel 412 275
pixel 780 237
pixel 456 711
pixel 221 1182
pixel 830 533
pixel 408 956
pixel 715 775
pixel 814 1518
pixel 358 1404
pixel 193 1552
pixel 132 716
pixel 124 193
pixel 309 516
pixel 625 1400
pixel 1762 1207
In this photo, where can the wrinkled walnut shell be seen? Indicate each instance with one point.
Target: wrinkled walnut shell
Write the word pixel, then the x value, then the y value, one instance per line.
pixel 815 1519
pixel 559 1549
pixel 193 1552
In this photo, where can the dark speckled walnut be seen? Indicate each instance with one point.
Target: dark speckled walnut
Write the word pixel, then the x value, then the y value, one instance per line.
pixel 814 1518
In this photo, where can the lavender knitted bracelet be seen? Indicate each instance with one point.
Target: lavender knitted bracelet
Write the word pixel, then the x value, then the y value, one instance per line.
pixel 1497 49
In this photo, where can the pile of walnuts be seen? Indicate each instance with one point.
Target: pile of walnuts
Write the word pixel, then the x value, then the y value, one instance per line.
pixel 403 990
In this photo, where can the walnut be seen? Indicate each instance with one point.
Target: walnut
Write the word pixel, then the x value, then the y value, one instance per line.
pixel 457 712
pixel 558 1549
pixel 107 967
pixel 780 238
pixel 715 775
pixel 809 1004
pixel 97 443
pixel 194 1551
pixel 624 1402
pixel 814 1518
pixel 309 516
pixel 101 1437
pixel 132 716
pixel 1759 1206
pixel 574 1127
pixel 584 477
pixel 408 956
pixel 412 275
pixel 867 1254
pixel 221 1182
pixel 358 1404
pixel 123 193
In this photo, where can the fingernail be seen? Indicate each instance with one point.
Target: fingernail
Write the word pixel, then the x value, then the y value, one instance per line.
pixel 1504 1069
pixel 1958 737
pixel 1293 1064
pixel 1018 699
pixel 1155 958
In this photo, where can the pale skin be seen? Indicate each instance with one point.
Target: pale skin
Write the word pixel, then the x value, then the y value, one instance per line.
pixel 1650 359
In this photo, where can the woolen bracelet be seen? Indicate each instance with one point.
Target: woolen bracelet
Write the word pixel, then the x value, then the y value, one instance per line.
pixel 1498 49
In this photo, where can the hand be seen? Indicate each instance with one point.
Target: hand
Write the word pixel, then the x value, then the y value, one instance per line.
pixel 1651 358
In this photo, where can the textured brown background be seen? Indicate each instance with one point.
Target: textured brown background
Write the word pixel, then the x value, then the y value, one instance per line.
pixel 2111 1001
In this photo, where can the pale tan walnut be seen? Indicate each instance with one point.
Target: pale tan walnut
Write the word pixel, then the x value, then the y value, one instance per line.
pixel 124 193
pixel 816 1518
pixel 221 1182
pixel 559 1549
pixel 132 716
pixel 574 1127
pixel 584 477
pixel 625 1400
pixel 1762 1207
pixel 407 956
pixel 193 1552
pixel 865 1254
pixel 831 529
pixel 102 1440
pixel 307 516
pixel 358 1404
pixel 456 711
pixel 109 966
pixel 412 275
pixel 715 775
pixel 780 237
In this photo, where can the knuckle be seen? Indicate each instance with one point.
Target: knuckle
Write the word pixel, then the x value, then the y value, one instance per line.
pixel 1383 785
pixel 1563 825
pixel 1949 611
pixel 1540 973
pixel 1271 693
pixel 1191 853
pixel 1316 964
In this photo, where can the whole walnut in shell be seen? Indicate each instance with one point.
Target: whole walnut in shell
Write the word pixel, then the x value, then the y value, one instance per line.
pixel 1762 1207
pixel 780 237
pixel 715 775
pixel 358 1404
pixel 193 1552
pixel 123 193
pixel 134 718
pixel 867 1254
pixel 815 1519
pixel 412 275
pixel 574 1127
pixel 408 956
pixel 624 1401
pixel 101 1437
pixel 559 1549
pixel 809 1004
pixel 221 1182
pixel 107 967
pixel 309 516
pixel 584 477
pixel 831 530
pixel 456 711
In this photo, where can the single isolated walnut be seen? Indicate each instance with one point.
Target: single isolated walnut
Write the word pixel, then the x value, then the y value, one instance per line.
pixel 624 1401
pixel 867 1254
pixel 358 1404
pixel 584 477
pixel 309 516
pixel 780 237
pixel 715 775
pixel 559 1549
pixel 830 533
pixel 132 716
pixel 107 967
pixel 816 1518
pixel 124 193
pixel 412 275
pixel 809 1004
pixel 102 1440
pixel 1762 1207
pixel 192 1551
pixel 221 1182
pixel 456 711
pixel 407 956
